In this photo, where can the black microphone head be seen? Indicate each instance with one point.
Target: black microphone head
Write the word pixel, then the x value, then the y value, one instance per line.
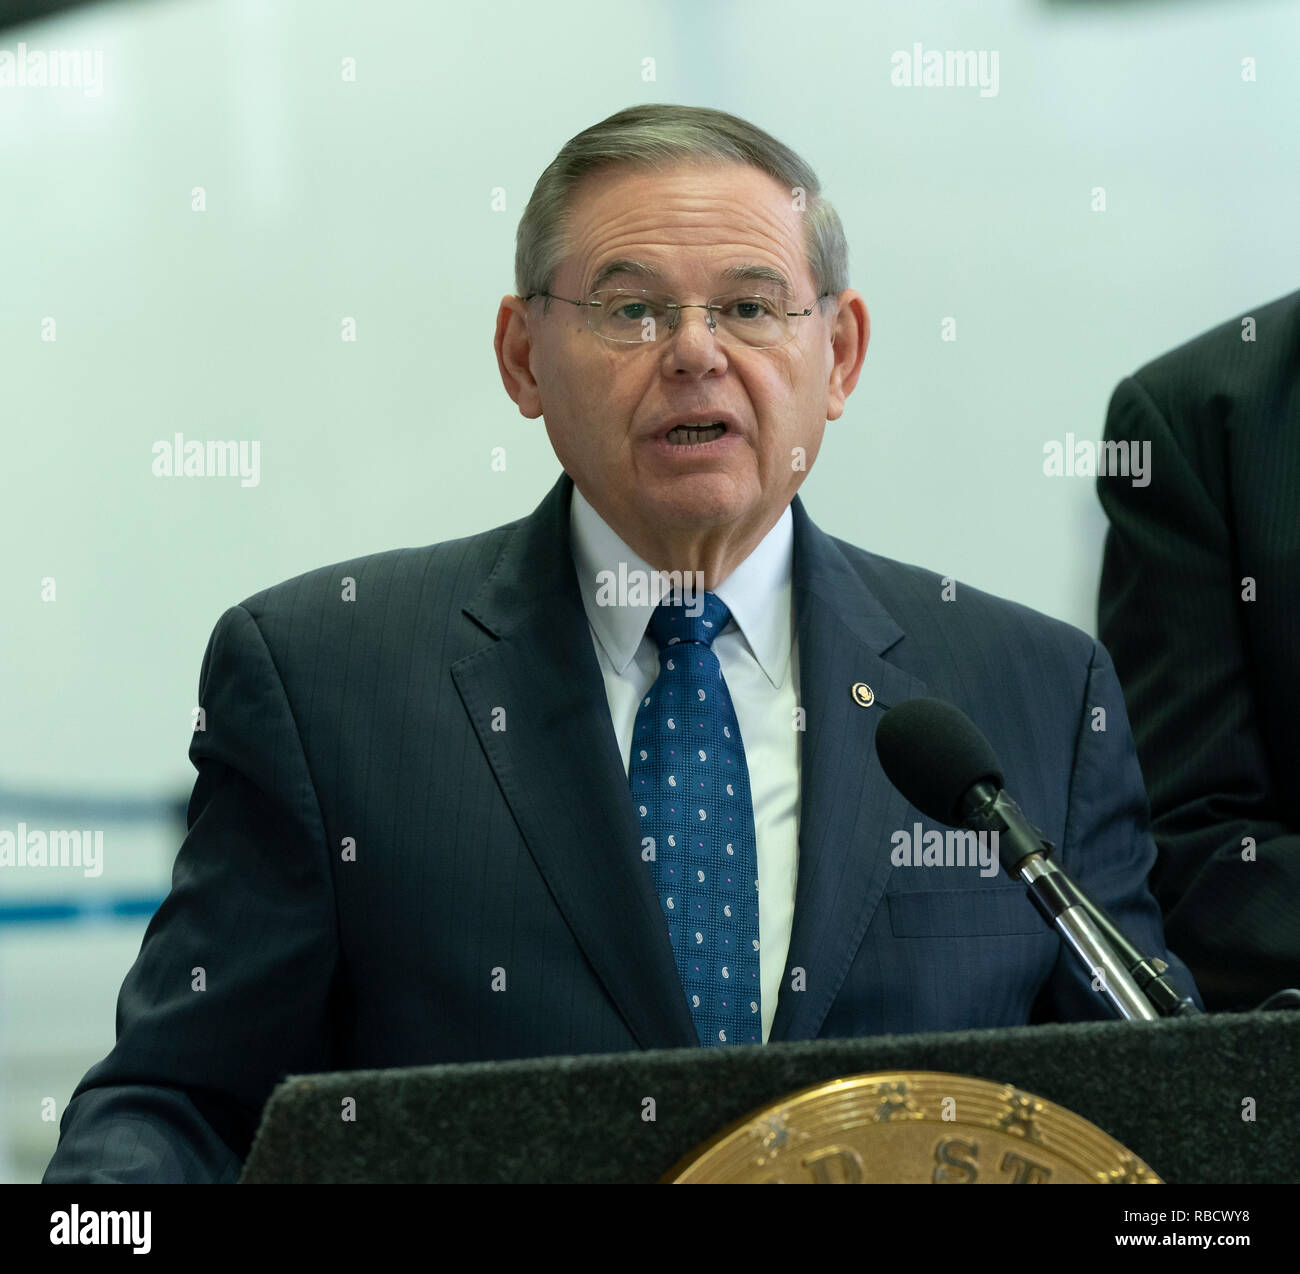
pixel 933 753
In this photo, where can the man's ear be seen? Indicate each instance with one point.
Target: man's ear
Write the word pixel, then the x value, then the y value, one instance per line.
pixel 513 345
pixel 850 332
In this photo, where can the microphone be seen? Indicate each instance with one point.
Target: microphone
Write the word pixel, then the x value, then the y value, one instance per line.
pixel 936 756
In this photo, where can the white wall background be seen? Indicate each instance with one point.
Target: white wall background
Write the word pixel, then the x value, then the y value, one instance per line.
pixel 372 199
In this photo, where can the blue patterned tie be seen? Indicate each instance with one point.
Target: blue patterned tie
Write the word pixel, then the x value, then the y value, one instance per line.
pixel 690 790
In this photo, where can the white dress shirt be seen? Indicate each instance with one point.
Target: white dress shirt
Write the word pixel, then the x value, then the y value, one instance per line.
pixel 760 664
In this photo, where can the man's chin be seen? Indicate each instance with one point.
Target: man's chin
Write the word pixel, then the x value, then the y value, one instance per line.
pixel 701 500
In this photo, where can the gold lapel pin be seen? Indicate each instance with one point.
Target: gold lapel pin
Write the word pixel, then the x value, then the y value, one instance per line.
pixel 863 695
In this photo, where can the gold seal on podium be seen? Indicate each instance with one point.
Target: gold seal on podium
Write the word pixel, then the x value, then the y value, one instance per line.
pixel 911 1127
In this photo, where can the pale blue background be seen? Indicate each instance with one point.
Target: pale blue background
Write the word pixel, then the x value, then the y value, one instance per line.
pixel 373 200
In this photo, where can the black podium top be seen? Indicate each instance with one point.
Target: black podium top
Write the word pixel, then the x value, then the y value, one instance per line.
pixel 1205 1099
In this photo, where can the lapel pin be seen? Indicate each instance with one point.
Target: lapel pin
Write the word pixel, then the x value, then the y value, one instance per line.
pixel 863 695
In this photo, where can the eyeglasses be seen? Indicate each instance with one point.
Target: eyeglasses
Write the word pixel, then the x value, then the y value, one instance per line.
pixel 631 317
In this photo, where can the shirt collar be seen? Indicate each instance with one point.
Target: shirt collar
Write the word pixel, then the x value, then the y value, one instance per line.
pixel 758 592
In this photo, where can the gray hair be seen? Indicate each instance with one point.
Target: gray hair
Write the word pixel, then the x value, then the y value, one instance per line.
pixel 650 137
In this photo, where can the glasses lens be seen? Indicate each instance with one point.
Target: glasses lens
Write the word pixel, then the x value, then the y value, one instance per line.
pixel 630 317
pixel 756 319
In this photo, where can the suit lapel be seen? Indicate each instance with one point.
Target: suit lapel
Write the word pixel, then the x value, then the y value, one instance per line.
pixel 558 765
pixel 848 808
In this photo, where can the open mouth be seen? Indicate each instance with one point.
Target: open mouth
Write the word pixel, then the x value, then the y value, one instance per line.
pixel 693 435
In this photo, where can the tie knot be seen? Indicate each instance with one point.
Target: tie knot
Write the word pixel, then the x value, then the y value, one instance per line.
pixel 674 622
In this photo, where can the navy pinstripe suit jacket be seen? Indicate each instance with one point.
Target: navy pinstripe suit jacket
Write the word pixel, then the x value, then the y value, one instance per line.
pixel 370 722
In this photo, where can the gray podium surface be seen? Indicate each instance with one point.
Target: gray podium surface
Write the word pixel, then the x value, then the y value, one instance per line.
pixel 1175 1092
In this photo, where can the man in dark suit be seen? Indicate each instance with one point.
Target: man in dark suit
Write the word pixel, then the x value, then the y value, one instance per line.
pixel 419 831
pixel 1200 605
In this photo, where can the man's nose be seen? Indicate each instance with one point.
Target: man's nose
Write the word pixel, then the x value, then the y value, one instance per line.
pixel 708 317
pixel 693 337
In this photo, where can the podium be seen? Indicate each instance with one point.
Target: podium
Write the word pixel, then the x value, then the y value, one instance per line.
pixel 1208 1099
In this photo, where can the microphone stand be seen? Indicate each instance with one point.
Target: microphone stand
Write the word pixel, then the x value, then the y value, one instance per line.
pixel 1134 985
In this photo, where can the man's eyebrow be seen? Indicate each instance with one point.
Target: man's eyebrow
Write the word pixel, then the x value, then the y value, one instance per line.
pixel 623 267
